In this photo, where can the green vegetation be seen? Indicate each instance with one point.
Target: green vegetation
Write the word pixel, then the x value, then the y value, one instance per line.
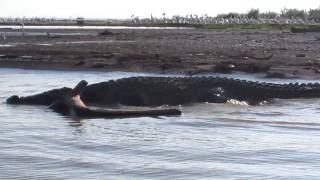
pixel 269 15
pixel 230 15
pixel 253 19
pixel 294 13
pixel 253 14
pixel 312 14
pixel 257 26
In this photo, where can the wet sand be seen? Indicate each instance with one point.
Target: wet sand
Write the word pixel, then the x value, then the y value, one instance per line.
pixel 278 53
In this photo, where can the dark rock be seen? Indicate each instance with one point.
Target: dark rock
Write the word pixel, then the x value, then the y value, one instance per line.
pixel 105 33
pixel 253 68
pixel 300 55
pixel 98 65
pixel 224 68
pixel 276 75
pixel 305 30
pixel 80 63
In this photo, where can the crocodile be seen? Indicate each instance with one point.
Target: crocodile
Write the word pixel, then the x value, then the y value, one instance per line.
pixel 156 91
pixel 72 105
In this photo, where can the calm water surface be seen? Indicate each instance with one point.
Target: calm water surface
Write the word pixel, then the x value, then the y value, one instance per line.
pixel 210 141
pixel 91 27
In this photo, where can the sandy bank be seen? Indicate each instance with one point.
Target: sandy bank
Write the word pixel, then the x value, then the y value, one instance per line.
pixel 190 51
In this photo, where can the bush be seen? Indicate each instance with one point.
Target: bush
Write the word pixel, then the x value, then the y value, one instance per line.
pixel 229 15
pixel 314 14
pixel 293 13
pixel 268 15
pixel 253 14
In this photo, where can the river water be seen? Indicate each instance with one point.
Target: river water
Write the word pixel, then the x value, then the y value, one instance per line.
pixel 209 141
pixel 91 27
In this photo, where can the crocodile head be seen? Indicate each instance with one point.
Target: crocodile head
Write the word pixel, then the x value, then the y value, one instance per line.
pixel 14 100
pixel 45 98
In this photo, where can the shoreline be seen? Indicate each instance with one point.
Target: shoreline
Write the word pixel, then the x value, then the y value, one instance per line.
pixel 276 53
pixel 174 73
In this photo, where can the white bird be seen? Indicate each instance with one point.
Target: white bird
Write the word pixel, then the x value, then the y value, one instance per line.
pixel 4 38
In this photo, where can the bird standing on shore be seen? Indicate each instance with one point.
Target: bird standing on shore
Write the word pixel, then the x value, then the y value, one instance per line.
pixel 4 38
pixel 22 28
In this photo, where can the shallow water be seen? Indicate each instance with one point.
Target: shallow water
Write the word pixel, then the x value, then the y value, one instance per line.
pixel 91 27
pixel 209 141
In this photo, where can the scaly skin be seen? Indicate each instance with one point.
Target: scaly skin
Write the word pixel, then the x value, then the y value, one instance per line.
pixel 153 91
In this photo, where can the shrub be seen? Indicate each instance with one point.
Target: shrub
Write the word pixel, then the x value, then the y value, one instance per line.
pixel 314 14
pixel 231 15
pixel 253 14
pixel 268 15
pixel 293 13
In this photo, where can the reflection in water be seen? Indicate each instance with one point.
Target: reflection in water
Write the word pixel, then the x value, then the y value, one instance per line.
pixel 209 141
pixel 76 122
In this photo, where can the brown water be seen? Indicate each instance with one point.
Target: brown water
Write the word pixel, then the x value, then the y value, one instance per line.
pixel 210 141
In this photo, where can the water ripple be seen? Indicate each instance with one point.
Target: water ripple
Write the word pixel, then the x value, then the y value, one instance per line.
pixel 210 141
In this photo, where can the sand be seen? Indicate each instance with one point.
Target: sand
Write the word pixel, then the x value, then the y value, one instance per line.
pixel 278 53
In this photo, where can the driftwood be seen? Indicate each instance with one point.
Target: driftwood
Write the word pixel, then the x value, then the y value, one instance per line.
pixel 105 33
pixel 305 30
pixel 249 56
pixel 72 105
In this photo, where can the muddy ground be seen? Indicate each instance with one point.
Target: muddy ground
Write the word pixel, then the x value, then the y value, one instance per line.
pixel 278 53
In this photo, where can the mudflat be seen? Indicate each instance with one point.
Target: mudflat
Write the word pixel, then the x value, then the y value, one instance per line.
pixel 278 53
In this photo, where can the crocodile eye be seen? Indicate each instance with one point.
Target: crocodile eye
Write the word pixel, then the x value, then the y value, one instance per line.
pixel 217 91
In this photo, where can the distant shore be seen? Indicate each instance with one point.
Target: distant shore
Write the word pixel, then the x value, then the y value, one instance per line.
pixel 275 26
pixel 273 52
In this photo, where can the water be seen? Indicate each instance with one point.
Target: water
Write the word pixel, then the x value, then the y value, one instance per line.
pixel 90 27
pixel 209 141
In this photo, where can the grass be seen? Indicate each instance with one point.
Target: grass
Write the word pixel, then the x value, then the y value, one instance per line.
pixel 256 26
pixel 199 26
